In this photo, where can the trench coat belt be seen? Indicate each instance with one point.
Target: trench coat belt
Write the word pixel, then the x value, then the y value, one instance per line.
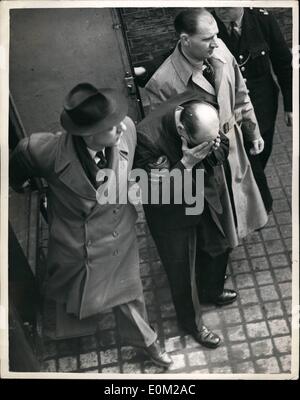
pixel 228 125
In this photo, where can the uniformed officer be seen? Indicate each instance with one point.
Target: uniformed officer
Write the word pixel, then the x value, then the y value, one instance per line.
pixel 254 38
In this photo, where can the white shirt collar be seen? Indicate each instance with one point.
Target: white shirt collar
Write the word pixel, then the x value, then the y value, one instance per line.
pixel 93 154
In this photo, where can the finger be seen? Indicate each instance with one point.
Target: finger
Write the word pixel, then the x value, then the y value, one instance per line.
pixel 184 143
pixel 200 147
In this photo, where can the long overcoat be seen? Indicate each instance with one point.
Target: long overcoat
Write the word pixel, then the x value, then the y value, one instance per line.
pixel 93 261
pixel 237 121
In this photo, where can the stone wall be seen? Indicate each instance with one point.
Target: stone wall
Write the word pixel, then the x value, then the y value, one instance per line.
pixel 150 31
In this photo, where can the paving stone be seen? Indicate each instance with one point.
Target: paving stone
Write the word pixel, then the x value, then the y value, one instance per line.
pixel 288 244
pixel 178 362
pixel 240 351
pixel 288 306
pixel 49 366
pixel 285 289
pixel 88 360
pixel 173 344
pixel 257 330
pixel 286 363
pixel 263 277
pixel 130 353
pixel 236 333
pixel 283 218
pixel 147 283
pixel 109 356
pixel 232 316
pixel 244 281
pixel 238 253
pixel 67 347
pixel 260 263
pixel 67 364
pixel 278 193
pixel 283 274
pixel 256 249
pixel 226 369
pixel 262 348
pixel 280 205
pixel 145 269
pixel 268 293
pixel 240 266
pixel 283 344
pixel 190 342
pixel 273 309
pixel 163 294
pixel 131 368
pixel 268 365
pixel 196 358
pixel 270 233
pixel 211 319
pixel 111 370
pixel 248 296
pixel 278 327
pixel 279 260
pixel 200 371
pixel 252 313
pixel 245 368
pixel 274 246
pixel 170 327
pixel 218 355
pixel 286 231
pixel 150 368
pixel 253 237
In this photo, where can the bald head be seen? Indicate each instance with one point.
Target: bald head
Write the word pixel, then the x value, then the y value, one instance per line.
pixel 200 121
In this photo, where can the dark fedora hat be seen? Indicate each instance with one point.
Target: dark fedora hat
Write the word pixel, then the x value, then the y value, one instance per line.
pixel 88 110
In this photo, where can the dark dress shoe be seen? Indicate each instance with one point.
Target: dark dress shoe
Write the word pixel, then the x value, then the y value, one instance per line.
pixel 228 296
pixel 157 355
pixel 206 337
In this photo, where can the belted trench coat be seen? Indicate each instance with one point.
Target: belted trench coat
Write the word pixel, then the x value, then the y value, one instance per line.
pixel 237 121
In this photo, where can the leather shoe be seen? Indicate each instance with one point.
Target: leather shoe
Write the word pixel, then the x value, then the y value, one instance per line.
pixel 228 296
pixel 206 337
pixel 157 355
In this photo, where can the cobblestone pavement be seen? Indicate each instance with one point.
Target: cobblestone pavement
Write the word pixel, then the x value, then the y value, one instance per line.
pixel 255 331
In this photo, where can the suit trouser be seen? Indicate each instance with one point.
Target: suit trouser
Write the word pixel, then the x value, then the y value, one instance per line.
pixel 174 248
pixel 132 324
pixel 258 163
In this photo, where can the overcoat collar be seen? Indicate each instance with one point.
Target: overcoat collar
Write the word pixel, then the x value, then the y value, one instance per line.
pixel 69 170
pixel 184 69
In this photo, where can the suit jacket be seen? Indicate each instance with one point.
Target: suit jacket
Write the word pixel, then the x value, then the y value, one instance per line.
pixel 93 261
pixel 157 136
pixel 237 121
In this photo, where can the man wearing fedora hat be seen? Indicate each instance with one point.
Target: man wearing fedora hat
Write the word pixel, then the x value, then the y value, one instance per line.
pixel 93 262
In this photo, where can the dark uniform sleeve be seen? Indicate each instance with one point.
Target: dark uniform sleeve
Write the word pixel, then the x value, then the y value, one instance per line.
pixel 281 59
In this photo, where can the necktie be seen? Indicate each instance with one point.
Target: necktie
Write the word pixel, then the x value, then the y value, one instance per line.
pixel 102 163
pixel 208 72
pixel 234 37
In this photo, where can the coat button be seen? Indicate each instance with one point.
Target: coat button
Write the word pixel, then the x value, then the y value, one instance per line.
pixel 115 234
pixel 243 68
pixel 241 56
pixel 245 80
pixel 263 53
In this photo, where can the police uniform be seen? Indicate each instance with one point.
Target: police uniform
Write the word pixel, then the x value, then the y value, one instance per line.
pixel 260 49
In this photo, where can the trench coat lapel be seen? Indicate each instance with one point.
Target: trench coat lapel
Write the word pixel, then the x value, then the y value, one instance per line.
pixel 218 63
pixel 69 170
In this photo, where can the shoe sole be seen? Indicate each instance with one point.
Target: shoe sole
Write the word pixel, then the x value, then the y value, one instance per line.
pixel 225 303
